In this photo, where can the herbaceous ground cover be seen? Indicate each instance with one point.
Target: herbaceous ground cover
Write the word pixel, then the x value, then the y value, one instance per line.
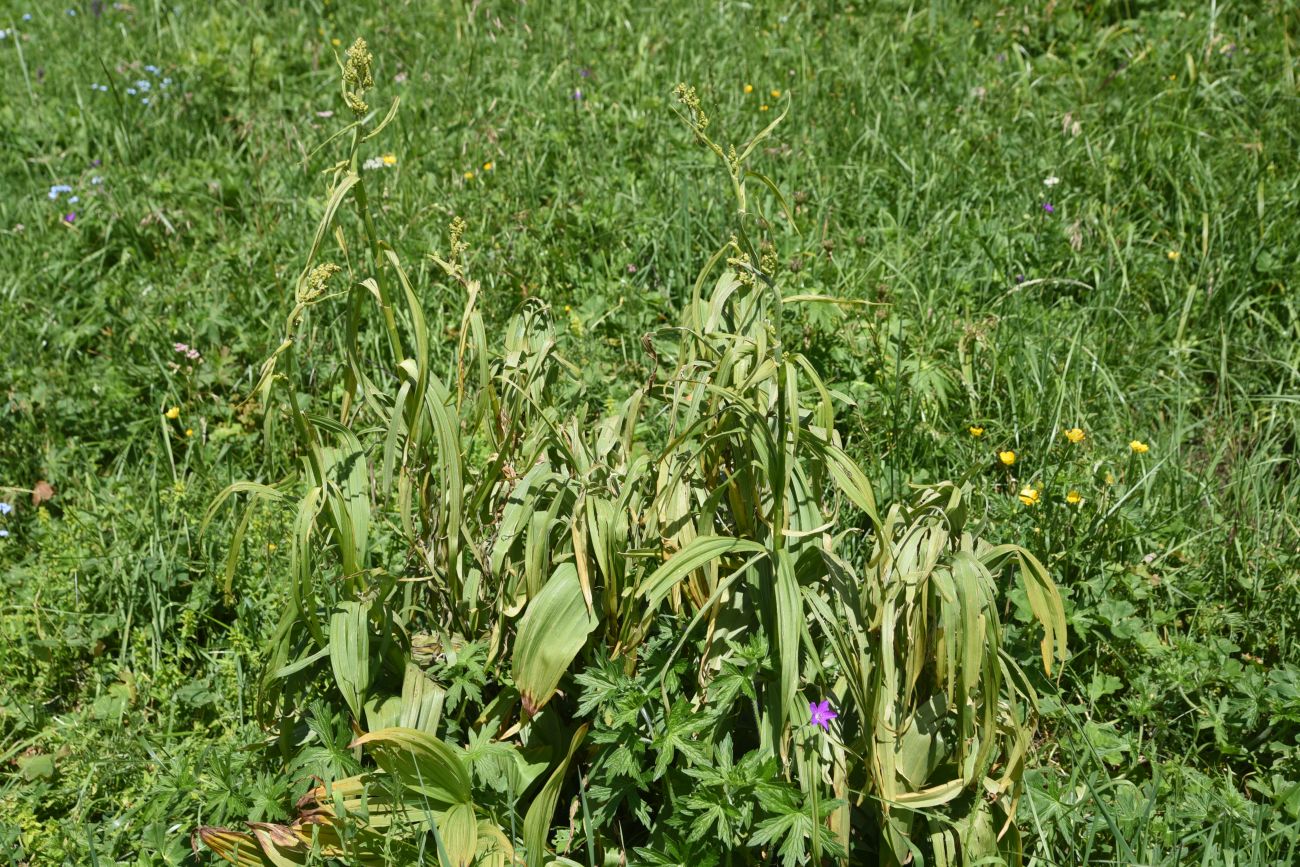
pixel 1046 254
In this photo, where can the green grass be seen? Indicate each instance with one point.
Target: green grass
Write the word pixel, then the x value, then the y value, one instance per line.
pixel 1157 302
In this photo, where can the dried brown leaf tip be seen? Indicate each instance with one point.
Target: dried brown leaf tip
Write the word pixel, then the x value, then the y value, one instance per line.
pixel 42 492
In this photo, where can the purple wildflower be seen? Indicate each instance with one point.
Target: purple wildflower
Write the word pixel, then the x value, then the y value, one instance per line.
pixel 577 95
pixel 70 217
pixel 822 713
pixel 1020 278
pixel 584 72
pixel 1047 206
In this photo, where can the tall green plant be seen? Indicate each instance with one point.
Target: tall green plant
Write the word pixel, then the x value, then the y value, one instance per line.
pixel 470 510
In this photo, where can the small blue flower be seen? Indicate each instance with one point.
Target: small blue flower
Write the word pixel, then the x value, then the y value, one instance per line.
pixel 72 13
pixel 144 100
pixel 167 82
pixel 4 534
pixel 130 91
pixel 151 69
pixel 97 180
pixel 143 84
pixel 6 508
pixel 74 199
pixel 3 33
pixel 27 16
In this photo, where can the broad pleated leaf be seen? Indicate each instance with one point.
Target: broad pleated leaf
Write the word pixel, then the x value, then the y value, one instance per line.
pixel 350 653
pixel 702 550
pixel 553 629
pixel 421 762
pixel 537 822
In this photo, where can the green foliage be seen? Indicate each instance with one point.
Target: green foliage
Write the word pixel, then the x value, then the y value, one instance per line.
pixel 555 388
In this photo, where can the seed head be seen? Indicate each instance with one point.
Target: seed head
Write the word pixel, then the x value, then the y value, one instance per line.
pixel 316 281
pixel 686 96
pixel 356 76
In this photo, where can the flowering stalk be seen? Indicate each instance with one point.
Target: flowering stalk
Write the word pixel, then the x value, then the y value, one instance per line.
pixel 356 72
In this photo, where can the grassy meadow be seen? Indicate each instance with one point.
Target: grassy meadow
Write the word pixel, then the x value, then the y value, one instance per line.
pixel 490 452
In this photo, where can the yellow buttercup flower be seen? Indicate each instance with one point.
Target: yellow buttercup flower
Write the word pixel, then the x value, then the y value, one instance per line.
pixel 1110 478
pixel 469 176
pixel 1075 435
pixel 776 94
pixel 336 42
pixel 1139 447
pixel 174 412
pixel 488 166
pixel 1008 457
pixel 1073 498
pixel 762 108
pixel 1029 496
pixel 976 430
pixel 1173 255
pixel 390 159
pixel 189 431
pixel 749 88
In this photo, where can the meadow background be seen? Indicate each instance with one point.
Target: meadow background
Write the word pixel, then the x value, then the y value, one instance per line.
pixel 1063 215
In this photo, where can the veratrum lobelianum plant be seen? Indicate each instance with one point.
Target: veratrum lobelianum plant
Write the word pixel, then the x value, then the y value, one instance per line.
pixel 469 513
